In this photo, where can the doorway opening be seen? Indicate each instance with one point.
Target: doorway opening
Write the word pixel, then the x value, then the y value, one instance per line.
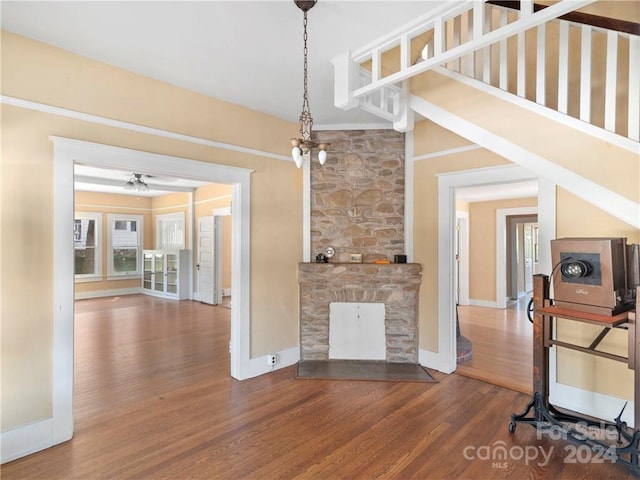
pixel 496 234
pixel 522 256
pixel 68 152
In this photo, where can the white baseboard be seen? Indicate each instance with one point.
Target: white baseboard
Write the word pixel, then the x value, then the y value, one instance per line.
pixel 483 303
pixel 22 441
pixel 107 293
pixel 432 360
pixel 226 292
pixel 284 358
pixel 594 404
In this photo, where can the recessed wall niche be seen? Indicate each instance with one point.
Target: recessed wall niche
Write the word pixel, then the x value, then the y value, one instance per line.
pixel 357 197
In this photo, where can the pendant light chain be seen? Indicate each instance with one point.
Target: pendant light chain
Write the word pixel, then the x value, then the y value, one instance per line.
pixel 302 146
pixel 306 121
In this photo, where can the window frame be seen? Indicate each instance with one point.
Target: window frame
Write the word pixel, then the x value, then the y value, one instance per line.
pixel 111 219
pixel 96 276
pixel 170 217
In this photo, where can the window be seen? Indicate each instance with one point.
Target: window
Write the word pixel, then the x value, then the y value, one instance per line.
pixel 170 231
pixel 125 244
pixel 86 243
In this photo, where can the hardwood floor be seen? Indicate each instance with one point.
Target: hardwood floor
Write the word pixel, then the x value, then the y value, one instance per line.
pixel 502 345
pixel 154 400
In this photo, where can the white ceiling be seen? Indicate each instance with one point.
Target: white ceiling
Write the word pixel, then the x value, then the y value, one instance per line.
pixel 245 52
pixel 94 179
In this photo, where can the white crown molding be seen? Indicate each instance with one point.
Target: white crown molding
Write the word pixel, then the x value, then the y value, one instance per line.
pixel 354 126
pixel 86 117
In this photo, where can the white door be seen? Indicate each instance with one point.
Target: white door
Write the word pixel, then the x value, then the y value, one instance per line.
pixel 205 265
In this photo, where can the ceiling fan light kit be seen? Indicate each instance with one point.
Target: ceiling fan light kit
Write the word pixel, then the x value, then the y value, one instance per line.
pixel 136 183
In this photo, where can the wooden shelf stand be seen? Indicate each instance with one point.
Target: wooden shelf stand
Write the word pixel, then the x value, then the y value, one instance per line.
pixel 546 417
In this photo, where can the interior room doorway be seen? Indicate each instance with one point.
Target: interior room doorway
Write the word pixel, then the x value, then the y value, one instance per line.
pixel 499 330
pixel 68 152
pixel 522 255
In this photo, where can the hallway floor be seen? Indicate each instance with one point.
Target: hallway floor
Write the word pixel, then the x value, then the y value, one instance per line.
pixel 502 345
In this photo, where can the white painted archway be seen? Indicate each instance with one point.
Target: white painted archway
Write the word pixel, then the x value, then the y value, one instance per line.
pixel 67 152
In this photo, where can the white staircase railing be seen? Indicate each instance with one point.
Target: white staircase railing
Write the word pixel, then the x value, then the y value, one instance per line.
pixel 589 73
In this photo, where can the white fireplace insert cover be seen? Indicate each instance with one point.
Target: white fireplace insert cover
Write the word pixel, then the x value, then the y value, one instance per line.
pixel 356 331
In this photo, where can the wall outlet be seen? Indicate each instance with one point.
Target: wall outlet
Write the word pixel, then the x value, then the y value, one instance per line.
pixel 271 359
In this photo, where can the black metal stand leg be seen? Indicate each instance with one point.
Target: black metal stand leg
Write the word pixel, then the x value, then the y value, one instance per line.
pixel 535 403
pixel 548 418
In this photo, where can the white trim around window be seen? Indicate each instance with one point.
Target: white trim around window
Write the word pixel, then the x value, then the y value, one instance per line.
pixel 170 231
pixel 136 242
pixel 80 232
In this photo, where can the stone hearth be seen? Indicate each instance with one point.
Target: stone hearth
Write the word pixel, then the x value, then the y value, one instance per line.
pixel 395 285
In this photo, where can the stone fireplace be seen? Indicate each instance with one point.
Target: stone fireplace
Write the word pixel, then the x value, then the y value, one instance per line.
pixel 357 207
pixel 394 285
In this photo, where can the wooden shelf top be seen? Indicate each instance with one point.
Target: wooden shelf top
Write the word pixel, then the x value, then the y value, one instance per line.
pixel 602 320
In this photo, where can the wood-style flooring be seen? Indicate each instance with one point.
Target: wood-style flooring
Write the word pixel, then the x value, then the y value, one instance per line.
pixel 502 342
pixel 154 400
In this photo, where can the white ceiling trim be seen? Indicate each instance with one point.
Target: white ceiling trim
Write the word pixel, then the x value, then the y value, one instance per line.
pixel 120 184
pixel 41 107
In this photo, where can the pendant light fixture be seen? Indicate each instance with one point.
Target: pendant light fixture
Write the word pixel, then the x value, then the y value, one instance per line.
pixel 303 144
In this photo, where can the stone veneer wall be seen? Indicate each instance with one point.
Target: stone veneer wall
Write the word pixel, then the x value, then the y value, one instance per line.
pixel 357 197
pixel 395 285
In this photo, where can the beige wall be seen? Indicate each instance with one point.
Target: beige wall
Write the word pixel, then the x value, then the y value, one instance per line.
pixel 113 203
pixel 597 161
pixel 430 138
pixel 482 245
pixel 576 218
pixel 40 73
pixel 589 157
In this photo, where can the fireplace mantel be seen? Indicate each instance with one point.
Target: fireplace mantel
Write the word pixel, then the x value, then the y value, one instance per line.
pixel 394 285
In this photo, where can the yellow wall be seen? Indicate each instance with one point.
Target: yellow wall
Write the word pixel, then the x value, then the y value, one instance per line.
pixel 113 203
pixel 579 152
pixel 572 149
pixel 595 160
pixel 482 245
pixel 40 73
pixel 576 218
pixel 430 138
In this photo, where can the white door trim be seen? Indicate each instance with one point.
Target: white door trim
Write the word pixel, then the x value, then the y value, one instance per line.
pixel 501 249
pixel 445 359
pixel 462 219
pixel 66 153
pixel 218 234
